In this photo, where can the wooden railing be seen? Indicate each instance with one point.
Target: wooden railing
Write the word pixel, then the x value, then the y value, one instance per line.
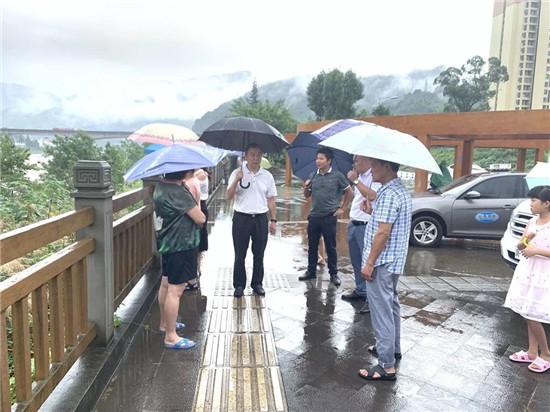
pixel 43 309
pixel 132 241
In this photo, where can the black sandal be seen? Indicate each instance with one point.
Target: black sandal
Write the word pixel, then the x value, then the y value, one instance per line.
pixel 372 349
pixel 383 375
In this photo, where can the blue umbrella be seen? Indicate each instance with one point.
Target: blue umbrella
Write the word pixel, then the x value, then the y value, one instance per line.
pixel 302 152
pixel 175 158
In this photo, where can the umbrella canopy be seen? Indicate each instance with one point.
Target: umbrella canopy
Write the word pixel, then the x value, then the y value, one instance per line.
pixel 302 152
pixel 235 133
pixel 174 159
pixel 163 133
pixel 539 175
pixel 382 143
pixel 150 148
pixel 336 127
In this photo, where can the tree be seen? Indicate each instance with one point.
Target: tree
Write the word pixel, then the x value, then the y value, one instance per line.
pixel 381 110
pixel 121 157
pixel 252 97
pixel 333 95
pixel 276 114
pixel 469 88
pixel 13 159
pixel 65 151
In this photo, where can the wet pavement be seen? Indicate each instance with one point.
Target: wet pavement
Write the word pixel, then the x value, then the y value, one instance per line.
pixel 456 337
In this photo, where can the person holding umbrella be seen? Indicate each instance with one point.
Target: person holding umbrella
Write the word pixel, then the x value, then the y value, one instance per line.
pixel 254 206
pixel 177 241
pixel 387 234
pixel 253 189
pixel 330 192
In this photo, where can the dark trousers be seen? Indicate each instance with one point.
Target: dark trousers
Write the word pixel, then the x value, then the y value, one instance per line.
pixel 245 228
pixel 325 226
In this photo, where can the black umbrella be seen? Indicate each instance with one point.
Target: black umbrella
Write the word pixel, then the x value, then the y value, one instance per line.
pixel 235 133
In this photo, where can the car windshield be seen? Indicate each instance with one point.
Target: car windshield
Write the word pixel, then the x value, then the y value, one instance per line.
pixel 458 182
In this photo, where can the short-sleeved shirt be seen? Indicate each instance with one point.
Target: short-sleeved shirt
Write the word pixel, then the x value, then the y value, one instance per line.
pixel 253 200
pixel 393 205
pixel 178 232
pixel 356 213
pixel 326 192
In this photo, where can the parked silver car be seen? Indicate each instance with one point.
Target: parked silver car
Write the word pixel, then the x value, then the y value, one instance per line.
pixel 474 206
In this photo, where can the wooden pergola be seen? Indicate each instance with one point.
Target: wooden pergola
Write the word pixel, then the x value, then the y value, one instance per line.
pixel 521 130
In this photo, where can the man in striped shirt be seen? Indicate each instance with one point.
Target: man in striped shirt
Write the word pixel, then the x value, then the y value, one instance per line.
pixel 384 256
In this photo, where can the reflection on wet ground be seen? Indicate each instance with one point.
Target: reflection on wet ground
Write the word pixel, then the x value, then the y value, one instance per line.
pixel 456 337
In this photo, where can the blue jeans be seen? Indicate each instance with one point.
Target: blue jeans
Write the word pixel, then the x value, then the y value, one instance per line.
pixel 385 315
pixel 356 242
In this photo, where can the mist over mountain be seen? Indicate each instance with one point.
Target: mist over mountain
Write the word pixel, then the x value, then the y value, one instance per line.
pixel 119 107
pixel 410 94
pixel 195 102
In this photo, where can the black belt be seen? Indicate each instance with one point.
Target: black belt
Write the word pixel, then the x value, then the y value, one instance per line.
pixel 252 215
pixel 358 223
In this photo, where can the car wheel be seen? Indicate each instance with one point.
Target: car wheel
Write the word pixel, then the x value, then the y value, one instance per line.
pixel 426 231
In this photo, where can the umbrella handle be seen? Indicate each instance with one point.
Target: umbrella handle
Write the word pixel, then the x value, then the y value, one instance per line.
pixel 241 180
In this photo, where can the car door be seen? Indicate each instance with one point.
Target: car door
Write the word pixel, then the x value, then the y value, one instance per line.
pixel 488 215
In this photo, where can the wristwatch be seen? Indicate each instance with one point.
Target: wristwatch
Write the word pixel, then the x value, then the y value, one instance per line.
pixel 355 182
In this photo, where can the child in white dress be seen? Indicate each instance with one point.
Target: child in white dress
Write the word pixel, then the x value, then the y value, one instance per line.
pixel 529 293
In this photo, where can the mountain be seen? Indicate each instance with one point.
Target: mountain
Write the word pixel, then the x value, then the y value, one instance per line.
pixel 413 93
pixel 129 105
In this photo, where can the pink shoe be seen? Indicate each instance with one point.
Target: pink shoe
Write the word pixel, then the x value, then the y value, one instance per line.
pixel 521 357
pixel 539 365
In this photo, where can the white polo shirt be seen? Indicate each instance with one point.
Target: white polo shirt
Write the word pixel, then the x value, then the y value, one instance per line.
pixel 356 213
pixel 253 200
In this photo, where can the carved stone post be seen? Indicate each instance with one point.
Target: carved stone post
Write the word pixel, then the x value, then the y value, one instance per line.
pixel 92 181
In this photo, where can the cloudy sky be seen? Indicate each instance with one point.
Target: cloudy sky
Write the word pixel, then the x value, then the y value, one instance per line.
pixel 76 48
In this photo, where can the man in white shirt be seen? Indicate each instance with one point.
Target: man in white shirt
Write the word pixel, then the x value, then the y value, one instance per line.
pixel 254 191
pixel 364 193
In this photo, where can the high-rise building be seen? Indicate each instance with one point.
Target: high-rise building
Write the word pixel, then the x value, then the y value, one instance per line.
pixel 521 40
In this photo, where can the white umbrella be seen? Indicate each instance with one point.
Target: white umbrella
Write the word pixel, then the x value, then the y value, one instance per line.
pixel 539 175
pixel 382 143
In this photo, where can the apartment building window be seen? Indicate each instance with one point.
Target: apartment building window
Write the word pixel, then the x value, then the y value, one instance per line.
pixel 529 58
pixel 526 87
